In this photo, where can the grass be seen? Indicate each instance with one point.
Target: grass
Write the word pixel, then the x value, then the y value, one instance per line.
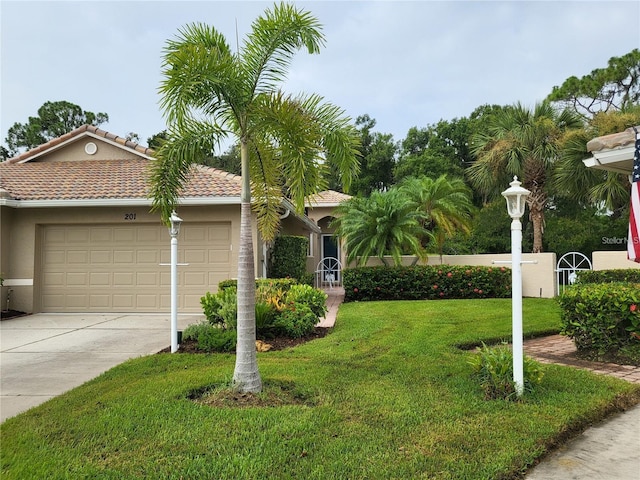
pixel 387 395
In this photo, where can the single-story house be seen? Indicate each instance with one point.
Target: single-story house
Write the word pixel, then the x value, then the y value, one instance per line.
pixel 77 234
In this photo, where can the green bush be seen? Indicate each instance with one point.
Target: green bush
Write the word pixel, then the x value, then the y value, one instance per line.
pixel 493 367
pixel 426 282
pixel 602 317
pixel 295 321
pixel 211 338
pixel 316 299
pixel 289 257
pixel 281 283
pixel 631 275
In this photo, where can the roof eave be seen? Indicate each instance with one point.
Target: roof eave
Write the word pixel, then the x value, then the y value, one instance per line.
pixel 114 202
pixel 619 160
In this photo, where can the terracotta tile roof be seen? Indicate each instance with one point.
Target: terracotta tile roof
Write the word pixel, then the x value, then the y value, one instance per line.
pixel 74 133
pixel 615 140
pixel 327 198
pixel 103 179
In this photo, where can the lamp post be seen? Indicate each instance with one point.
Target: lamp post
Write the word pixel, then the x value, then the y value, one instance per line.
pixel 174 230
pixel 516 197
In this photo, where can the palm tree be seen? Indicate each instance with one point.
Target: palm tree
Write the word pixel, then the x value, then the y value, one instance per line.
pixel 209 92
pixel 446 203
pixel 574 180
pixel 518 141
pixel 385 223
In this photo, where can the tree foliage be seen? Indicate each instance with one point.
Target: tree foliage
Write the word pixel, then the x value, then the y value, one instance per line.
pixel 521 142
pixel 615 87
pixel 210 92
pixel 385 223
pixel 377 160
pixel 589 186
pixel 53 120
pixel 439 149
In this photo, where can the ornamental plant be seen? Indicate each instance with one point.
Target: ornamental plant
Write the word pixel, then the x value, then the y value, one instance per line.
pixel 493 367
pixel 426 282
pixel 602 317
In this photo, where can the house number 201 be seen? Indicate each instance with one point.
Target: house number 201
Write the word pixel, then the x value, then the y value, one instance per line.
pixel 129 216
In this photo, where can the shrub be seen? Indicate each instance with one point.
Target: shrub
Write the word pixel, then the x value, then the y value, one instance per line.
pixel 295 321
pixel 426 282
pixel 493 367
pixel 316 299
pixel 631 275
pixel 211 308
pixel 265 316
pixel 211 338
pixel 282 283
pixel 602 317
pixel 289 257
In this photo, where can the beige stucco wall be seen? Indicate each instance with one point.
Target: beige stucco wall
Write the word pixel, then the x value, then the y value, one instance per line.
pixel 538 279
pixel 75 151
pixel 21 244
pixel 612 260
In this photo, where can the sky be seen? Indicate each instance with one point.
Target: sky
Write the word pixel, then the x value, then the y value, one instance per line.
pixel 404 63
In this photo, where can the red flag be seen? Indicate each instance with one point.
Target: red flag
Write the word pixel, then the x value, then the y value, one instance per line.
pixel 633 242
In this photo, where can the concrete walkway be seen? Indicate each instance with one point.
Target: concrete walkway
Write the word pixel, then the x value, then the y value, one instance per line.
pixel 44 355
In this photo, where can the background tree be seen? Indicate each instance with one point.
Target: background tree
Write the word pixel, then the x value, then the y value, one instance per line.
pixel 385 223
pixel 209 92
pixel 54 119
pixel 589 186
pixel 439 149
pixel 521 142
pixel 377 160
pixel 446 204
pixel 615 87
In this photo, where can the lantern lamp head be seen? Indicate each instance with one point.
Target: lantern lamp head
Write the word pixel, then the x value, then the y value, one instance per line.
pixel 516 198
pixel 176 221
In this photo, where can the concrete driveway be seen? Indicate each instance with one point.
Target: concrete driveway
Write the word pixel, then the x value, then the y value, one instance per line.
pixel 44 355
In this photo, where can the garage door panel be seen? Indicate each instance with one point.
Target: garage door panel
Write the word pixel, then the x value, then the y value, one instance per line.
pixel 123 256
pixel 76 279
pixel 78 235
pixel 117 268
pixel 78 256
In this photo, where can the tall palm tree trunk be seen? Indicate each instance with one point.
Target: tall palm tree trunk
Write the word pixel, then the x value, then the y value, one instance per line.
pixel 246 376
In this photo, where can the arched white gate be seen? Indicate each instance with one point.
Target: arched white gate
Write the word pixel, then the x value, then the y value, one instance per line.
pixel 329 273
pixel 568 266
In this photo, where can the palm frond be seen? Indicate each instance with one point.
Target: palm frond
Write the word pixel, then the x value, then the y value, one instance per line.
pixel 173 160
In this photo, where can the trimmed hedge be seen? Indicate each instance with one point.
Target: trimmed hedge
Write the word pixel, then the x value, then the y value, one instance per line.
pixel 602 317
pixel 631 275
pixel 289 258
pixel 426 282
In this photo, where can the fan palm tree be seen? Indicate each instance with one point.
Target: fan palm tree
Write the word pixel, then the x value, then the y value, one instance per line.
pixel 522 142
pixel 385 223
pixel 446 203
pixel 588 185
pixel 208 93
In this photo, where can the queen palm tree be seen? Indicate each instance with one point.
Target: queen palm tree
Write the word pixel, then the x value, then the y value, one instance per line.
pixel 446 203
pixel 208 93
pixel 385 223
pixel 522 142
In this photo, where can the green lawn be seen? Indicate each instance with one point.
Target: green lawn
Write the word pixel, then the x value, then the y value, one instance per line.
pixel 386 395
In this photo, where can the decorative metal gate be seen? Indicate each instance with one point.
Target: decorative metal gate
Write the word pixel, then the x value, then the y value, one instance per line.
pixel 568 266
pixel 329 273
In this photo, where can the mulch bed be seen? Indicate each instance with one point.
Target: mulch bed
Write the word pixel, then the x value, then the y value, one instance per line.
pixel 276 343
pixel 7 314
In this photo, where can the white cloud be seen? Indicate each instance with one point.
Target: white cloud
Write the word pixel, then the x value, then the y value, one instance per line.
pixel 406 64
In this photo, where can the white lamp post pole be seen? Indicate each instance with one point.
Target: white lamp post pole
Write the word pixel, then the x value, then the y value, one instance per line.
pixel 174 230
pixel 515 196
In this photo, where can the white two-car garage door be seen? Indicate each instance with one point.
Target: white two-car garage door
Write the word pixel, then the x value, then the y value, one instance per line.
pixel 119 268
